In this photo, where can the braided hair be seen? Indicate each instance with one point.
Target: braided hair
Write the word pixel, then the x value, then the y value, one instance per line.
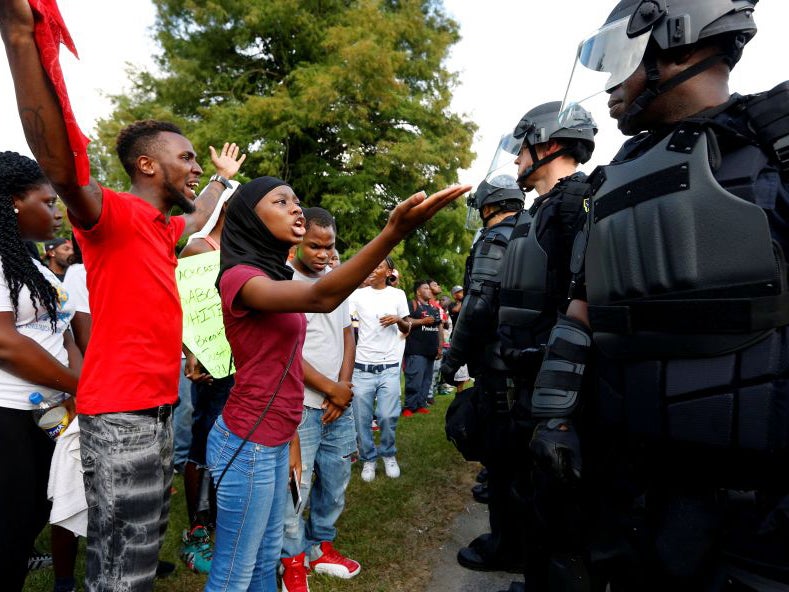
pixel 19 174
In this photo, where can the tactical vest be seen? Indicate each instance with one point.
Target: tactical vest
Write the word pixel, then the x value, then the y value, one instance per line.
pixel 530 291
pixel 687 301
pixel 474 335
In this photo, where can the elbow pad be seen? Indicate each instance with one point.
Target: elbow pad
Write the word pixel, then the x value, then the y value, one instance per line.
pixel 558 384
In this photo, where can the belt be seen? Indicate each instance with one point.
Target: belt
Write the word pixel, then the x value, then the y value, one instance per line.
pixel 160 413
pixel 375 368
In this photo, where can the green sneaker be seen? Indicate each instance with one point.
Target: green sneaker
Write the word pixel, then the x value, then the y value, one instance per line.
pixel 196 551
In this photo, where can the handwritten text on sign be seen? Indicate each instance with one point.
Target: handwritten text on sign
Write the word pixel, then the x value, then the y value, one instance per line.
pixel 204 332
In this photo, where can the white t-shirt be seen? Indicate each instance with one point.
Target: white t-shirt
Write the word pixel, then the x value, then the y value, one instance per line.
pixel 324 344
pixel 377 344
pixel 76 284
pixel 33 322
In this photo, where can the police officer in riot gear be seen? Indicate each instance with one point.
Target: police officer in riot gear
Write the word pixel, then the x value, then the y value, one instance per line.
pixel 681 283
pixel 498 203
pixel 534 290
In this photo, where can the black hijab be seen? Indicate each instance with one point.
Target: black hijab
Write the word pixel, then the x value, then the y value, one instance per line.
pixel 246 240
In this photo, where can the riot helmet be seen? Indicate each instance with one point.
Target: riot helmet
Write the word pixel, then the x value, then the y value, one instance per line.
pixel 502 191
pixel 637 31
pixel 540 125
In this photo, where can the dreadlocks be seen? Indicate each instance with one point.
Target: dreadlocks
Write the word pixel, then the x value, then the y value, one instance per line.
pixel 19 174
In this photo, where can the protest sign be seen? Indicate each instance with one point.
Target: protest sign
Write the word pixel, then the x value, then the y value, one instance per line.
pixel 204 332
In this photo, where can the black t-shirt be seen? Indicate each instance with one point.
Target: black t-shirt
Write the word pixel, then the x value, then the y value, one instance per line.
pixel 423 339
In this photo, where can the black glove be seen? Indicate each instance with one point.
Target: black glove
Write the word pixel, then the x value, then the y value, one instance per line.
pixel 557 450
pixel 448 369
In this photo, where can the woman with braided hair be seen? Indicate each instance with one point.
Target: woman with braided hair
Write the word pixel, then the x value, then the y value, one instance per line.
pixel 37 353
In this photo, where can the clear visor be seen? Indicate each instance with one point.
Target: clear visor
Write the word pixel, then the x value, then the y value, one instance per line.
pixel 608 58
pixel 473 219
pixel 503 168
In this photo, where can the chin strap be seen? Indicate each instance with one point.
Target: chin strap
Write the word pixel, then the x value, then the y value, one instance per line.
pixel 537 163
pixel 654 89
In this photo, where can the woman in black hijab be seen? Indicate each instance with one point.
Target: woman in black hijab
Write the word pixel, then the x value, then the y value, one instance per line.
pixel 248 450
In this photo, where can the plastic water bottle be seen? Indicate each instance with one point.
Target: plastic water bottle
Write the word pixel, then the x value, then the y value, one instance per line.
pixel 50 413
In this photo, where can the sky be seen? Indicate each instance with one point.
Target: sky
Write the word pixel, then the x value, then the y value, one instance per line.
pixel 513 55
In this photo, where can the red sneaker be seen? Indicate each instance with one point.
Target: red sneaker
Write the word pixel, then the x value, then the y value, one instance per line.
pixel 407 413
pixel 423 410
pixel 294 576
pixel 332 563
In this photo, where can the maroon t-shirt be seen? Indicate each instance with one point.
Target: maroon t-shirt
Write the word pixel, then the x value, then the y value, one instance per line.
pixel 262 343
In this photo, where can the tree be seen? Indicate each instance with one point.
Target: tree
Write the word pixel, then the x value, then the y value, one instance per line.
pixel 346 100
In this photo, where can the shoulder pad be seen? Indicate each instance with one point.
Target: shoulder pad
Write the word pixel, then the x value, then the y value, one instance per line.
pixel 769 118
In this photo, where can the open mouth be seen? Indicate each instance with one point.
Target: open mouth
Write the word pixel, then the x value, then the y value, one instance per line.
pixel 192 189
pixel 298 226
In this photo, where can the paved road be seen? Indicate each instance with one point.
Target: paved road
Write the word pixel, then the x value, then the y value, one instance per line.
pixel 448 576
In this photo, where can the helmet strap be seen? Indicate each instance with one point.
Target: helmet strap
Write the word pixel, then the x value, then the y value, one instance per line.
pixel 653 87
pixel 485 219
pixel 538 162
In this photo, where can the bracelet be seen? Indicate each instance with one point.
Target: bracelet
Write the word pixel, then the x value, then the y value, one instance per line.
pixel 220 179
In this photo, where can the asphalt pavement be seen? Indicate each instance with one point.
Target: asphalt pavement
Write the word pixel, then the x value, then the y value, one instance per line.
pixel 448 575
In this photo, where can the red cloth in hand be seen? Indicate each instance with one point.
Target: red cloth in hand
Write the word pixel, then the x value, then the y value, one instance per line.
pixel 50 32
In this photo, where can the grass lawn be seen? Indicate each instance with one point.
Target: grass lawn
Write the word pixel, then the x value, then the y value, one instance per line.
pixel 391 526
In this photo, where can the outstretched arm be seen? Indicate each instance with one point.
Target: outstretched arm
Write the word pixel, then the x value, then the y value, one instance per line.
pixel 41 115
pixel 326 294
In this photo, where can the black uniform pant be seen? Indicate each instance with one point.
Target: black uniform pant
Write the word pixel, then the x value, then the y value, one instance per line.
pixel 502 460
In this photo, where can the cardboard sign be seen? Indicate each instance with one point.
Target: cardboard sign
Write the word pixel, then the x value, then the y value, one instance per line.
pixel 204 331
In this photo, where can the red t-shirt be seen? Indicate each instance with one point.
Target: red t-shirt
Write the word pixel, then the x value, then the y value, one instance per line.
pixel 262 343
pixel 134 357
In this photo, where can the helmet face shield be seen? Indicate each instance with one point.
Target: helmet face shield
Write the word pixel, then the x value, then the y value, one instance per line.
pixel 497 190
pixel 604 61
pixel 610 50
pixel 503 166
pixel 473 219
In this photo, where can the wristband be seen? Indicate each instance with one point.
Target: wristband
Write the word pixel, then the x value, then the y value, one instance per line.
pixel 220 179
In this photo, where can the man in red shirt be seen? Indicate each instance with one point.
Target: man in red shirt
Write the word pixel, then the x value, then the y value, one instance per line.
pixel 130 376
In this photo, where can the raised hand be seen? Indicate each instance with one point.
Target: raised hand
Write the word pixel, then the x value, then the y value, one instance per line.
pixel 227 162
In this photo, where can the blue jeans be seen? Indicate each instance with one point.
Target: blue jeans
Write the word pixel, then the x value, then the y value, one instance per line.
pixel 418 376
pixel 182 421
pixel 127 462
pixel 250 507
pixel 381 389
pixel 326 450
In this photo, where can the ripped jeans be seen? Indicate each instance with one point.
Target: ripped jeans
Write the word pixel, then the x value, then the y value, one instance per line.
pixel 325 450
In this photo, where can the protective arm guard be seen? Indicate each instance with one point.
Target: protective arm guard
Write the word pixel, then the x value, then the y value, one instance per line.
pixel 476 326
pixel 556 390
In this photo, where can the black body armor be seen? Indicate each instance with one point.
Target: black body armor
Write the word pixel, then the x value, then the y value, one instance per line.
pixel 535 278
pixel 687 296
pixel 475 332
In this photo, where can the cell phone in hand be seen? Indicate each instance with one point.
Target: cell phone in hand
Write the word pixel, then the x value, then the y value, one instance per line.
pixel 295 491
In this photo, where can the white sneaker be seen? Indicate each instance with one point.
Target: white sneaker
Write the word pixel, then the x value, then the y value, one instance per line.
pixel 368 470
pixel 391 467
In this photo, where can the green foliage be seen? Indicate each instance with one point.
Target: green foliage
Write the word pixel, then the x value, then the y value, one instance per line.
pixel 347 100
